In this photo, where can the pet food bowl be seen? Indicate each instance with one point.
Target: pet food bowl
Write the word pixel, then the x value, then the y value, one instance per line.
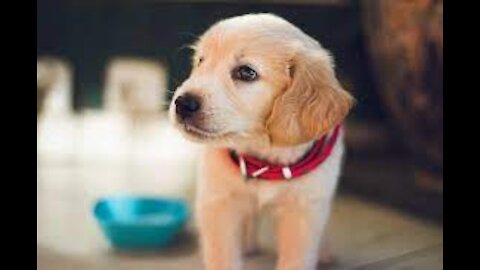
pixel 141 223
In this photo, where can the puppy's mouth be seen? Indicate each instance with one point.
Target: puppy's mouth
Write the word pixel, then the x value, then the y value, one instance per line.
pixel 202 134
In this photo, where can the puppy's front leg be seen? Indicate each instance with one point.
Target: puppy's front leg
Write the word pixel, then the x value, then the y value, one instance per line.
pixel 249 234
pixel 299 230
pixel 220 224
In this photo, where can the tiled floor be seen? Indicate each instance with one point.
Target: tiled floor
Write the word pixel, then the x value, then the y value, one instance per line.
pixel 364 235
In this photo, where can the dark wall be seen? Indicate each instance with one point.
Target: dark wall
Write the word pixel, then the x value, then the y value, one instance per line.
pixel 87 35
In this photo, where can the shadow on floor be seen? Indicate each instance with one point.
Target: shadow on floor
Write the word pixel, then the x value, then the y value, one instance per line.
pixel 185 245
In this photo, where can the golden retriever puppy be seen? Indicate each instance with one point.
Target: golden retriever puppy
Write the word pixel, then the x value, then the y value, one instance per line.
pixel 264 99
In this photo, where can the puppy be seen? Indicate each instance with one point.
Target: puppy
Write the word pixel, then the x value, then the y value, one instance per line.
pixel 262 93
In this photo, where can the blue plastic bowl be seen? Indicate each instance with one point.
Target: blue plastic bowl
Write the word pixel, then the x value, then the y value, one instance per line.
pixel 140 223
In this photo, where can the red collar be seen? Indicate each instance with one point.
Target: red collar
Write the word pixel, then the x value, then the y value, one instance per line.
pixel 250 167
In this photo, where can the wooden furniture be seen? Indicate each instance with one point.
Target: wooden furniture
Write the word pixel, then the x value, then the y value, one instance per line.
pixel 405 41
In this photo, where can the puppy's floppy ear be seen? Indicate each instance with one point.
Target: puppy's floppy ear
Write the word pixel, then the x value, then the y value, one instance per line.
pixel 312 104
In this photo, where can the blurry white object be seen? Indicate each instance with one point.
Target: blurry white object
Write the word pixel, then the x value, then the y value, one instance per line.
pixel 160 151
pixel 143 157
pixel 101 137
pixel 54 86
pixel 149 159
pixel 56 139
pixel 136 87
pixel 56 127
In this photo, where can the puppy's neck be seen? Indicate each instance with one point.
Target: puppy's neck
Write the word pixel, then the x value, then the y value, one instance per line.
pixel 277 155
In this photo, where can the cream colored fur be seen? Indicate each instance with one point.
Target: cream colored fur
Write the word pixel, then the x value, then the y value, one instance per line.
pixel 295 100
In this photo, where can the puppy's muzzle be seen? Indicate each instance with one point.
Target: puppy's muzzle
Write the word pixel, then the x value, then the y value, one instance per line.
pixel 187 105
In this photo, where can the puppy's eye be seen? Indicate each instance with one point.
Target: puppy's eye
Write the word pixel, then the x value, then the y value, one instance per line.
pixel 200 60
pixel 244 73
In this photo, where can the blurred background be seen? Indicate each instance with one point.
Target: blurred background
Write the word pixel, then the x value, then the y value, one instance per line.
pixel 106 71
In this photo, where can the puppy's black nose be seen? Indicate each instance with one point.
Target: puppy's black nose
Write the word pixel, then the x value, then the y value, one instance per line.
pixel 187 105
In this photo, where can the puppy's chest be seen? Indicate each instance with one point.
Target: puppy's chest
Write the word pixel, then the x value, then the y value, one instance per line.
pixel 267 194
pixel 309 188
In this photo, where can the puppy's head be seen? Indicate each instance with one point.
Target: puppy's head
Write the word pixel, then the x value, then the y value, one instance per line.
pixel 259 78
